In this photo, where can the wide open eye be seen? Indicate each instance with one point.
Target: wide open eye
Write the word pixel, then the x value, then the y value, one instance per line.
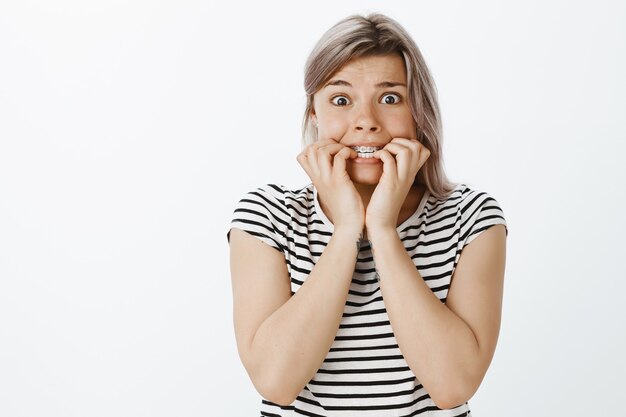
pixel 391 98
pixel 341 101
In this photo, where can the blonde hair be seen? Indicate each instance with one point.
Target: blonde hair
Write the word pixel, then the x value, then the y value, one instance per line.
pixel 378 35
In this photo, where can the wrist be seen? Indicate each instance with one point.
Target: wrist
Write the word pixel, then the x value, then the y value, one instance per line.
pixel 381 232
pixel 351 232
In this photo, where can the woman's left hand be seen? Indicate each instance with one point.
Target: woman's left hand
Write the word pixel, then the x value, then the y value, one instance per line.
pixel 395 182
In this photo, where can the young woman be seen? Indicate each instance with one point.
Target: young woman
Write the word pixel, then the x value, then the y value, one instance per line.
pixel 359 294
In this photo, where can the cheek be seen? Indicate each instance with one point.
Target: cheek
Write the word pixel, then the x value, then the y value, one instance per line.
pixel 332 127
pixel 402 126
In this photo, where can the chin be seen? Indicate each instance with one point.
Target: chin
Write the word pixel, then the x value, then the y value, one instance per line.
pixel 365 176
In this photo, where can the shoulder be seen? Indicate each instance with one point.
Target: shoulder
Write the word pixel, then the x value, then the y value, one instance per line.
pixel 479 211
pixel 268 195
pixel 468 210
pixel 281 192
pixel 464 198
pixel 277 199
pixel 262 213
pixel 474 200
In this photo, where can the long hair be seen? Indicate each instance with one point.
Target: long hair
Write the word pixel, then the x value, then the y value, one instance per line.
pixel 378 35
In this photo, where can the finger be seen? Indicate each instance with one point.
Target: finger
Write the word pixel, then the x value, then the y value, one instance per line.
pixel 324 162
pixel 325 153
pixel 331 147
pixel 339 161
pixel 311 155
pixel 404 159
pixel 325 142
pixel 424 155
pixel 303 160
pixel 418 149
pixel 389 163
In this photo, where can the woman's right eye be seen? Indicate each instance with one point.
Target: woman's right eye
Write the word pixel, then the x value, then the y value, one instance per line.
pixel 339 100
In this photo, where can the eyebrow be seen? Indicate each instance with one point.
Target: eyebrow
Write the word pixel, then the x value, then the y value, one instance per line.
pixel 384 84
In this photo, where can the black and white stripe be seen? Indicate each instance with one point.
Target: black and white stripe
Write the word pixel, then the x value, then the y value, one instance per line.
pixel 364 373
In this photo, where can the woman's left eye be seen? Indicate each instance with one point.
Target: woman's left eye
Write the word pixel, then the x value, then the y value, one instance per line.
pixel 390 98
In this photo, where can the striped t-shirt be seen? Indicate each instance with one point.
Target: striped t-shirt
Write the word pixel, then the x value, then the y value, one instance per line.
pixel 364 373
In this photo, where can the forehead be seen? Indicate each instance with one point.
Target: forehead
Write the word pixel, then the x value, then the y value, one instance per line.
pixel 374 67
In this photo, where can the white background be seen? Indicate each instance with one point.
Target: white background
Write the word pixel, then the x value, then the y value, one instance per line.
pixel 129 130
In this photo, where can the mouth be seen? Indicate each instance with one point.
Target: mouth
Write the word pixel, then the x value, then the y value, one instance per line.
pixel 366 151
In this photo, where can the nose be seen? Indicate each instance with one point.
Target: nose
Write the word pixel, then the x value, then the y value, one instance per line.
pixel 366 120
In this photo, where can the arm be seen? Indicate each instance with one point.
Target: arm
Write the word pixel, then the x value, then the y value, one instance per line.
pixel 448 347
pixel 283 339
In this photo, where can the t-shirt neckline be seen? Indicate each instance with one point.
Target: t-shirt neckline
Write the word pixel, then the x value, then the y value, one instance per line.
pixel 404 224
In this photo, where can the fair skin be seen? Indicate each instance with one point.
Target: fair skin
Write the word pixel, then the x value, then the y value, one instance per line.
pixel 353 109
pixel 283 339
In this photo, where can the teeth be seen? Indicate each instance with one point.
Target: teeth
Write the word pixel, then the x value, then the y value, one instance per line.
pixel 366 151
pixel 362 149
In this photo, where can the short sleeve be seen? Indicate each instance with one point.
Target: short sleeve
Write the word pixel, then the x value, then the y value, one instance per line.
pixel 480 212
pixel 262 214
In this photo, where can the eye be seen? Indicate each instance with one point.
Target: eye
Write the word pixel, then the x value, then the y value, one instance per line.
pixel 341 100
pixel 391 98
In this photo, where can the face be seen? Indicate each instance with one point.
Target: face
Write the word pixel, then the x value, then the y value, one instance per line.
pixel 365 103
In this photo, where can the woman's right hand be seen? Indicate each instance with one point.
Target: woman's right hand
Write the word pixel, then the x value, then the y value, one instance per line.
pixel 325 163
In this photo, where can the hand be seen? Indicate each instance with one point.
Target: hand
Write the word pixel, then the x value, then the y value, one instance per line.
pixel 395 182
pixel 325 163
